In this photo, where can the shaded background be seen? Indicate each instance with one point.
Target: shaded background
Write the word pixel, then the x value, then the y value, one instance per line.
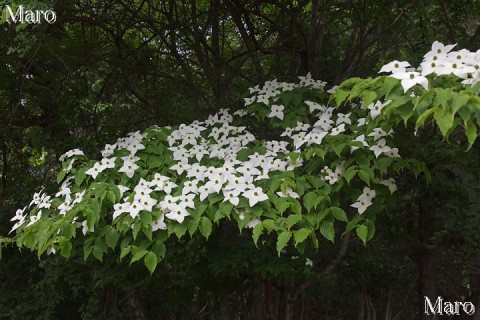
pixel 106 68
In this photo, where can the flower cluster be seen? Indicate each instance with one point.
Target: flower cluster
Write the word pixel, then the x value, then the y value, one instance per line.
pixel 440 60
pixel 315 164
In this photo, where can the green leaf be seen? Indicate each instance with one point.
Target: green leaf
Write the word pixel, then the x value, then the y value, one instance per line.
pixel 226 208
pixel 243 154
pixel 339 214
pixel 125 251
pixel 320 152
pixel 362 232
pixel 443 96
pixel 293 219
pixel 384 163
pixel 459 100
pixel 363 174
pixel 471 132
pixel 294 156
pixel 98 253
pixel 371 228
pixel 369 96
pixel 353 223
pixel 311 200
pixel 68 229
pixel 257 231
pixel 295 206
pixel 338 148
pixel 205 227
pixel 138 255
pixel 327 230
pixel 150 261
pixel 389 84
pixel 340 96
pixel 201 209
pixel 350 172
pixel 193 225
pixel 61 175
pixel 179 229
pixel 281 204
pixel 300 235
pixel 87 250
pixel 406 111
pixel 111 196
pixel 282 241
pixel 424 116
pixel 296 99
pixel 159 249
pixel 424 102
pixel 444 119
pixel 65 247
pixel 270 224
pixel 111 238
pixel 80 175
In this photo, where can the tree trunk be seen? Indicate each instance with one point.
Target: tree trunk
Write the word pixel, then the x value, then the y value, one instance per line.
pixel 426 261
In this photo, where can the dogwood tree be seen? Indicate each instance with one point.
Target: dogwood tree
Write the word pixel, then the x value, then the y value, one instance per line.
pixel 298 162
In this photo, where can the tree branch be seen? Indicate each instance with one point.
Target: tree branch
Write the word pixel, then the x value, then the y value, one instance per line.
pixel 318 276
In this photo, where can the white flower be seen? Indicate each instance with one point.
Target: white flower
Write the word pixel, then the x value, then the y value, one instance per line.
pixel 377 133
pixel 288 193
pixel 364 200
pixel 159 224
pixel 19 215
pixel 85 227
pixel 308 262
pixel 35 218
pixel 315 137
pixel 252 223
pixel 122 189
pixel 254 196
pixel 439 48
pixel 128 168
pixel 78 197
pixel 409 79
pixel 71 153
pixel 360 138
pixel 343 118
pixel 380 148
pixel 95 170
pixel 186 200
pixel 190 186
pixel 108 150
pixel 375 109
pixel 324 122
pixel 395 66
pixel 135 146
pixel 231 196
pixel 120 208
pixel 299 139
pixel 314 106
pixel 214 184
pixel 168 203
pixel 390 183
pixel 146 201
pixel 287 133
pixel 277 111
pixel 338 129
pixel 178 213
pixel 180 167
pixel 109 162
